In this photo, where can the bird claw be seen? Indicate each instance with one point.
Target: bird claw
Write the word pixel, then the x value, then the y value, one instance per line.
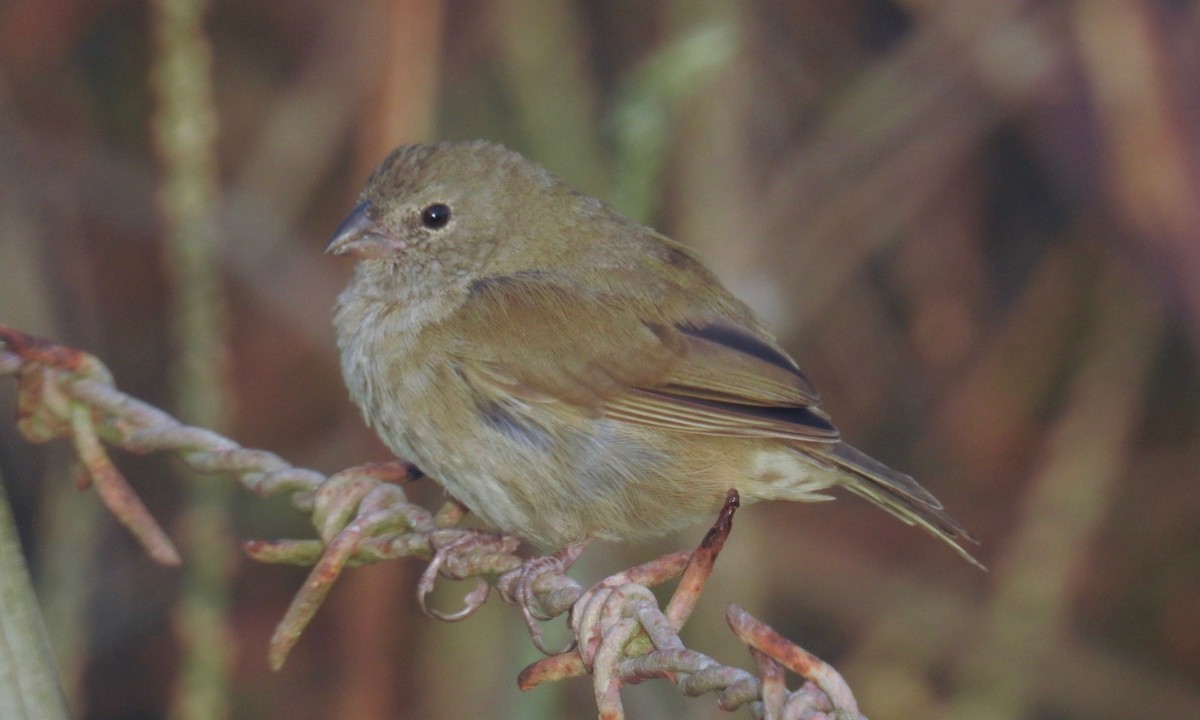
pixel 521 591
pixel 472 601
pixel 448 556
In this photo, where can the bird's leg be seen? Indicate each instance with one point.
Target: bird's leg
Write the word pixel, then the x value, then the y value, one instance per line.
pixel 523 594
pixel 450 514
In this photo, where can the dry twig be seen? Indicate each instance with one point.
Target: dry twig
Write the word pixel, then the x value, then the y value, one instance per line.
pixel 362 516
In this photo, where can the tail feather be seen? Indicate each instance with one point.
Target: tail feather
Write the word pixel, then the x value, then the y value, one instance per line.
pixel 900 495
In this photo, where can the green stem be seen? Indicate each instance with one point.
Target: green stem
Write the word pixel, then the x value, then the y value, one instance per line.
pixel 29 681
pixel 185 126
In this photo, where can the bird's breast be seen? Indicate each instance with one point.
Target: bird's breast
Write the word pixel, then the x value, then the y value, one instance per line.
pixel 546 471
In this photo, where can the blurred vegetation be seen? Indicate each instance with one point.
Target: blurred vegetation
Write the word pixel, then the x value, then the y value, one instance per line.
pixel 976 223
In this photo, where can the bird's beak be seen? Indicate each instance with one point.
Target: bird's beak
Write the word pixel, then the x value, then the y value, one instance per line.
pixel 362 236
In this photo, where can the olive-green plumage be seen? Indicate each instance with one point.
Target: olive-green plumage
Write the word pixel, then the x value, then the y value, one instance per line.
pixel 570 374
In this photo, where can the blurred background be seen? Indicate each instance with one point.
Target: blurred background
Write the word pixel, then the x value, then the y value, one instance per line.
pixel 975 223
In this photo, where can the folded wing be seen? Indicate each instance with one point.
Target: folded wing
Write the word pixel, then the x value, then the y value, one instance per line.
pixel 674 367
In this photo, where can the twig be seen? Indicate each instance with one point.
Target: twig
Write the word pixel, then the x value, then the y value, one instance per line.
pixel 363 516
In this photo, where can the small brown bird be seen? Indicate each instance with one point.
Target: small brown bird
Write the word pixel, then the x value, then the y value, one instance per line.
pixel 567 373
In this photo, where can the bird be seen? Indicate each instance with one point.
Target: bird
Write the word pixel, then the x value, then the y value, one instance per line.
pixel 567 373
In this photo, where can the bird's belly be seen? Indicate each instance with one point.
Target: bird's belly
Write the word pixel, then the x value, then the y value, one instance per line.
pixel 554 481
pixel 551 476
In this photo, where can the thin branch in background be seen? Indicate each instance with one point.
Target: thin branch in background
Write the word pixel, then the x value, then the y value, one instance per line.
pixel 374 676
pixel 642 119
pixel 29 683
pixel 621 634
pixel 990 412
pixel 1145 107
pixel 66 577
pixel 276 179
pixel 543 47
pixel 185 129
pixel 402 104
pixel 1085 456
pixel 896 162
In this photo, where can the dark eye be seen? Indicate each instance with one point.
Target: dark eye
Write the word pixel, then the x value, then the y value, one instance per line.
pixel 435 216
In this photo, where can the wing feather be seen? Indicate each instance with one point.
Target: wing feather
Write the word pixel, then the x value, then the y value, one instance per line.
pixel 639 362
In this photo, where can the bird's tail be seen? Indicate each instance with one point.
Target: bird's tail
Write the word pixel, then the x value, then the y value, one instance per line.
pixel 900 495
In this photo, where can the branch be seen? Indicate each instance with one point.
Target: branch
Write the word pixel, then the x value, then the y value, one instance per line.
pixel 363 516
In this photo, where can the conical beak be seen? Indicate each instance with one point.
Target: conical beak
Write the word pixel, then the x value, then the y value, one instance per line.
pixel 361 235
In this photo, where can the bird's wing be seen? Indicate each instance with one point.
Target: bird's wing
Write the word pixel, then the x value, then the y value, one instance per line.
pixel 637 361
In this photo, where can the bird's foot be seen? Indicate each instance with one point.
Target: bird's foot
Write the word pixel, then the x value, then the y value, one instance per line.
pixel 456 555
pixel 608 618
pixel 522 588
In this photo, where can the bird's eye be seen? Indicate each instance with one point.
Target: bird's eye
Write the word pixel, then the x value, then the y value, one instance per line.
pixel 435 216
